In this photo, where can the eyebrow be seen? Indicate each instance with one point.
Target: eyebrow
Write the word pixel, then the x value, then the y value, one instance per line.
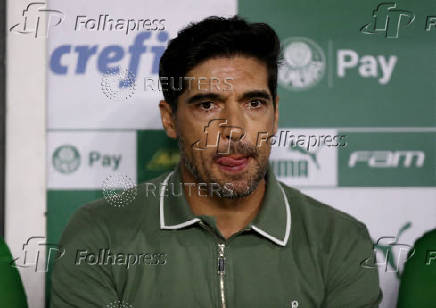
pixel 216 97
pixel 255 93
pixel 206 96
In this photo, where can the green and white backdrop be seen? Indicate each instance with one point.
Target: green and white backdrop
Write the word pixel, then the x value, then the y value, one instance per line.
pixel 365 70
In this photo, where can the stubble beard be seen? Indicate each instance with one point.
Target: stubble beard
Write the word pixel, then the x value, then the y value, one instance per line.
pixel 228 189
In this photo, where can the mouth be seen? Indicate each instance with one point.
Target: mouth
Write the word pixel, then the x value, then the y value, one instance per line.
pixel 233 163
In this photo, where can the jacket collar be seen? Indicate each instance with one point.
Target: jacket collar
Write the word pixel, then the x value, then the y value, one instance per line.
pixel 273 221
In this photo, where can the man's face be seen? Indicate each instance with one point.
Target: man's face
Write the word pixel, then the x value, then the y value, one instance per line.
pixel 218 122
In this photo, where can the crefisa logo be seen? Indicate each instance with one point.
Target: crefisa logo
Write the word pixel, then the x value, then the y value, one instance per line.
pixel 304 64
pixel 66 159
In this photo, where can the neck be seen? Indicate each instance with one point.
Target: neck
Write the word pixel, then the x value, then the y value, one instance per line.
pixel 231 214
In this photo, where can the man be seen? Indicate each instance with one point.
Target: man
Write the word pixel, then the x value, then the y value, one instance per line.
pixel 230 235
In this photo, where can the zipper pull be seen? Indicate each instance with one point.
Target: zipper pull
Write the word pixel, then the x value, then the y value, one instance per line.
pixel 221 259
pixel 221 263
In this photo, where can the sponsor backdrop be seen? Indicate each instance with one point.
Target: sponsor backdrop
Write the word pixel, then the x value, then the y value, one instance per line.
pixel 358 78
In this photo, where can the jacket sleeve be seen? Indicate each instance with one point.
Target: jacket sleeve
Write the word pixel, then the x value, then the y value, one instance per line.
pixel 78 280
pixel 352 274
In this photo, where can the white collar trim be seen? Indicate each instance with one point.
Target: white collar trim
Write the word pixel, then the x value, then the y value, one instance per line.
pixel 161 208
pixel 194 220
pixel 288 224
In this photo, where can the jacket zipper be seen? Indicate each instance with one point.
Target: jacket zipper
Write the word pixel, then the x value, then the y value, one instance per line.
pixel 221 272
pixel 220 264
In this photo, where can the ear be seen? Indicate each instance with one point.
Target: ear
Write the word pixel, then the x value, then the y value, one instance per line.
pixel 276 115
pixel 168 119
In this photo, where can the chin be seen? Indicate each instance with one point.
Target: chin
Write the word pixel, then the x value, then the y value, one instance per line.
pixel 241 189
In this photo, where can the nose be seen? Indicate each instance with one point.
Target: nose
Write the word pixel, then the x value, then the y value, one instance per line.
pixel 234 130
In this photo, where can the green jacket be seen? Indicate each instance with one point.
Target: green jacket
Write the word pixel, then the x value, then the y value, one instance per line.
pixel 154 252
pixel 11 289
pixel 418 280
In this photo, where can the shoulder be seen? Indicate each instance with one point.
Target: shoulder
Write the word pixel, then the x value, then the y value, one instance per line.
pixel 423 249
pixel 118 215
pixel 11 288
pixel 322 224
pixel 427 240
pixel 5 254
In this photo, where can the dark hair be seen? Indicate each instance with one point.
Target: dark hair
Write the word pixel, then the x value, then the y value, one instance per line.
pixel 214 37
